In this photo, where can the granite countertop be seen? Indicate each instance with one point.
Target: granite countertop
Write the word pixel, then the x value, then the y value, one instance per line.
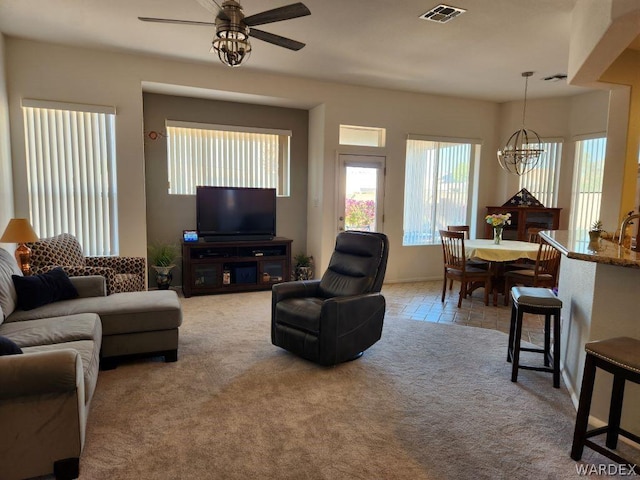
pixel 575 244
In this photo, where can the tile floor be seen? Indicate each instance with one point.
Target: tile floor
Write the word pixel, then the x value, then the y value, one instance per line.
pixel 421 301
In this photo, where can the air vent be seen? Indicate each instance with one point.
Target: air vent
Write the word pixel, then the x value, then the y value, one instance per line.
pixel 442 13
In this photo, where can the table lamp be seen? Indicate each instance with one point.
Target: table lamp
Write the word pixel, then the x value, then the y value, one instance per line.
pixel 19 231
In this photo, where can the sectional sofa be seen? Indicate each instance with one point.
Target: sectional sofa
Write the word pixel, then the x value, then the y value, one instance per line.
pixel 46 391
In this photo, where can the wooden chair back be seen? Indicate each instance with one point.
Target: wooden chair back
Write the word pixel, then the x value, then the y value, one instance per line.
pixel 453 249
pixel 459 228
pixel 533 234
pixel 547 262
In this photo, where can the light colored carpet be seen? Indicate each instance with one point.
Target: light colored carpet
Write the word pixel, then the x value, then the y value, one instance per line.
pixel 428 401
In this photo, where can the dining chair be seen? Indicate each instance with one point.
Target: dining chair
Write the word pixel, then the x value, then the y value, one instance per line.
pixel 543 274
pixel 456 266
pixel 471 262
pixel 533 236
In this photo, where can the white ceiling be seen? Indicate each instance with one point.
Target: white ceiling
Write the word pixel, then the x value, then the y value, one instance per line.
pixel 479 54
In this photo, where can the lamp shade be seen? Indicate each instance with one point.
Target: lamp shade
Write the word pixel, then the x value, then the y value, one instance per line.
pixel 18 230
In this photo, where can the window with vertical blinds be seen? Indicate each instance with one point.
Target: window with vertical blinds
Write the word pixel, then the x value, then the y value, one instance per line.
pixel 542 181
pixel 587 182
pixel 225 156
pixel 437 184
pixel 71 172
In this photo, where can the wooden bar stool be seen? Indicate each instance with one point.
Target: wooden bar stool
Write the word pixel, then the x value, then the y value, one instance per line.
pixel 538 301
pixel 621 357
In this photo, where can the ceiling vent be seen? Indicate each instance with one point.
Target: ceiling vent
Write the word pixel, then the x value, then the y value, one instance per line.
pixel 442 13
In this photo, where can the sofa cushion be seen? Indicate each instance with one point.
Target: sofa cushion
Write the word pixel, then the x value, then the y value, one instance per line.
pixel 89 351
pixel 37 290
pixel 8 347
pixel 120 313
pixel 53 330
pixel 8 296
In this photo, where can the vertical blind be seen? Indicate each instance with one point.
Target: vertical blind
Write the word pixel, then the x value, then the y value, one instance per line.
pixel 587 182
pixel 542 181
pixel 71 173
pixel 213 155
pixel 436 189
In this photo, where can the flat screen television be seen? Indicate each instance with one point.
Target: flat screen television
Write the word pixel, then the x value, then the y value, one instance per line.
pixel 236 213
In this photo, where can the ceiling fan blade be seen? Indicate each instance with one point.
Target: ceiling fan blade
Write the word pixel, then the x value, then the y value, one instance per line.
pixel 276 39
pixel 179 22
pixel 214 7
pixel 287 12
pixel 210 5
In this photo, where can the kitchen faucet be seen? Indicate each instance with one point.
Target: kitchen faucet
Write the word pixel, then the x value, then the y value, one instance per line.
pixel 625 223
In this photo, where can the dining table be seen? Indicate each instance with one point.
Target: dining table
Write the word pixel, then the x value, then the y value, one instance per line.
pixel 498 254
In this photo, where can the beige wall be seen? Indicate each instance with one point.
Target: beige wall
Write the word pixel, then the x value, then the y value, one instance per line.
pixel 168 215
pixel 625 70
pixel 601 32
pixel 44 71
pixel 6 183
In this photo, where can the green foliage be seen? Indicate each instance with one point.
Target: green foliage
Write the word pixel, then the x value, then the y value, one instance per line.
pixel 359 213
pixel 596 226
pixel 162 254
pixel 302 260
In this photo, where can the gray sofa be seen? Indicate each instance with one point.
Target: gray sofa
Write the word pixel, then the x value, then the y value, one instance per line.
pixel 46 391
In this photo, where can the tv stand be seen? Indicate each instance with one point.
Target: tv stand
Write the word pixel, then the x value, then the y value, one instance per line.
pixel 234 265
pixel 237 238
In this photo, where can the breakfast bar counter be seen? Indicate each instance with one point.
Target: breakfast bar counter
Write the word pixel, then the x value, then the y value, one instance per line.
pixel 599 285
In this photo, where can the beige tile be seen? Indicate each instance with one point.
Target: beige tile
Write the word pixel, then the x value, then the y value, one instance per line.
pixel 421 301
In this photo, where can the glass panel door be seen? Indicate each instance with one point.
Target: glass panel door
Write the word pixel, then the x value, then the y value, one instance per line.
pixel 361 193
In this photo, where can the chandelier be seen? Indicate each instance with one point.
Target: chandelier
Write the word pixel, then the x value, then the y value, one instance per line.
pixel 523 149
pixel 231 42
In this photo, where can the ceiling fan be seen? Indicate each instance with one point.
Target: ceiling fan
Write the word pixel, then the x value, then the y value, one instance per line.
pixel 233 29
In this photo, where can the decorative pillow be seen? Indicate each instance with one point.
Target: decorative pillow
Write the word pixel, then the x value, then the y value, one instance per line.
pixel 8 347
pixel 38 290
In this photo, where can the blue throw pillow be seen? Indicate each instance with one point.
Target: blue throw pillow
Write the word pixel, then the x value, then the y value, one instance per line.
pixel 8 347
pixel 37 290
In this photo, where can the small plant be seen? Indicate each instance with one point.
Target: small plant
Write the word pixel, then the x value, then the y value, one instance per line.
pixel 596 226
pixel 303 260
pixel 303 268
pixel 162 254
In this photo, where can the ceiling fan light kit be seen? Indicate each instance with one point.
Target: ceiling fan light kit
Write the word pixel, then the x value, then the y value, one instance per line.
pixel 233 29
pixel 231 42
pixel 524 148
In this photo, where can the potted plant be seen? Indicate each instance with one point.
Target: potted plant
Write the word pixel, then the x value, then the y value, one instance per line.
pixel 596 231
pixel 162 257
pixel 303 266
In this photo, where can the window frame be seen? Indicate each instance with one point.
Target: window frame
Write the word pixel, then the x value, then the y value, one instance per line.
pixel 578 219
pixel 474 146
pixel 548 197
pixel 72 189
pixel 189 181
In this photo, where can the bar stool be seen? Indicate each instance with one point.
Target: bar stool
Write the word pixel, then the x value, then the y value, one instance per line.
pixel 539 301
pixel 621 357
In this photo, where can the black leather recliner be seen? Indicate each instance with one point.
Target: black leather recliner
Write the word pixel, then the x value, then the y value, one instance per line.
pixel 335 319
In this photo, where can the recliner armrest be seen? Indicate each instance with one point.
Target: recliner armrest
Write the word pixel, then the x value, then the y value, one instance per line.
pixel 299 289
pixel 40 373
pixel 345 314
